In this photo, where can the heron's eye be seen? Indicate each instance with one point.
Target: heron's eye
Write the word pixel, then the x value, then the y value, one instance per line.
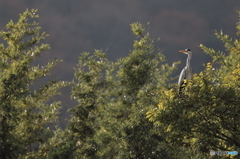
pixel 187 50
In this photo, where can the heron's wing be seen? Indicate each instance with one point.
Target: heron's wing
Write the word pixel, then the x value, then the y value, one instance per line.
pixel 182 77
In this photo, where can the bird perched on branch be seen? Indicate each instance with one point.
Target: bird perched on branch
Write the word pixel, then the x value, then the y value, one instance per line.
pixel 187 70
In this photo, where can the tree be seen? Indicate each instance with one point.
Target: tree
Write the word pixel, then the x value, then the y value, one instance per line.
pixel 25 114
pixel 113 97
pixel 206 117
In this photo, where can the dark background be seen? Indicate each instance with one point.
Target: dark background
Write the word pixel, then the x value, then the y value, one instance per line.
pixel 77 26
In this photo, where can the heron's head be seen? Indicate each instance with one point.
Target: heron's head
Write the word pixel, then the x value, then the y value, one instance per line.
pixel 186 51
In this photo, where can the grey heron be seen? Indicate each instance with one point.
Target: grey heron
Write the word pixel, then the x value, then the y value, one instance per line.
pixel 187 70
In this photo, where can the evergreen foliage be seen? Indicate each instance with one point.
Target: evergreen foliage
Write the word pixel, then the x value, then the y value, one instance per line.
pixel 25 114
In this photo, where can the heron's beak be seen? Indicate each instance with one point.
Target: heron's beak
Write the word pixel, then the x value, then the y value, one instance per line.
pixel 183 51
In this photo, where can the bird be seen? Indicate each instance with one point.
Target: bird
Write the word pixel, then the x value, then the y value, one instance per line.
pixel 187 72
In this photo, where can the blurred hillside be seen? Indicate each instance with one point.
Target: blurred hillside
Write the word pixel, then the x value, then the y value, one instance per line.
pixel 82 26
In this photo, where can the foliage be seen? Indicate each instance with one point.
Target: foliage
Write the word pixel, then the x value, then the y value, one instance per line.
pixel 25 114
pixel 113 97
pixel 206 117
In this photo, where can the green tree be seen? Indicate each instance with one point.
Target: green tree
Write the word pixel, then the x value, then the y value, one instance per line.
pixel 206 117
pixel 25 114
pixel 113 97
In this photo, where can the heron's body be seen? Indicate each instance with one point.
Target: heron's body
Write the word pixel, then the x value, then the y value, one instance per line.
pixel 187 70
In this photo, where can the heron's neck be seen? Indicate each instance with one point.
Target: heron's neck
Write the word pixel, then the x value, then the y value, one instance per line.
pixel 188 60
